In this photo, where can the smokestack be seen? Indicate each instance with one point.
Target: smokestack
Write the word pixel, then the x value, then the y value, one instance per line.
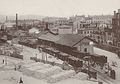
pixel 16 21
pixel 118 10
pixel 114 12
pixel 46 26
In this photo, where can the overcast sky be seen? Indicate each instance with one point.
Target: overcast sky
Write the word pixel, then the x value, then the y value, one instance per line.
pixel 58 7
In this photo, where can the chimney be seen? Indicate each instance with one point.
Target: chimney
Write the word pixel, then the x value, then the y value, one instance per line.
pixel 16 21
pixel 118 10
pixel 46 26
pixel 114 13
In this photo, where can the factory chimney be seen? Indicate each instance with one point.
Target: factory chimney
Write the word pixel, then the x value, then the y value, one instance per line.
pixel 16 21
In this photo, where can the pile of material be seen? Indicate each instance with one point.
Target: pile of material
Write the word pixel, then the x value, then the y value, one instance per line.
pixel 33 69
pixel 45 73
pixel 25 68
pixel 81 76
pixel 61 76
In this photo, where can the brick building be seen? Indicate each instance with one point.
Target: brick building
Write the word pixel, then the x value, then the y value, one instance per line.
pixel 116 27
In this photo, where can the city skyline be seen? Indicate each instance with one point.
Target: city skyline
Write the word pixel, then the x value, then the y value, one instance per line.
pixel 58 8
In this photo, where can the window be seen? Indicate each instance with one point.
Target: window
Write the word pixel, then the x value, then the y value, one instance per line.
pixel 87 32
pixel 85 49
pixel 84 32
pixel 118 16
pixel 98 37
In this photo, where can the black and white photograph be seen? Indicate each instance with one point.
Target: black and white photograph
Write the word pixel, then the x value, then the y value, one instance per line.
pixel 59 41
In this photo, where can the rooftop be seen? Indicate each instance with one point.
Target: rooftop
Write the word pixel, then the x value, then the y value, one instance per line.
pixel 64 39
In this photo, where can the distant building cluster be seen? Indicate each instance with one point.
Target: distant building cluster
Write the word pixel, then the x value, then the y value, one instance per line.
pixel 105 29
pixel 97 27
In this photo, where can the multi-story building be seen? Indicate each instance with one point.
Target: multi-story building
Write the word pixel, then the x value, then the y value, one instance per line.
pixel 116 27
pixel 99 36
pixel 61 21
pixel 109 36
pixel 65 29
pixel 77 17
pixel 87 31
pixel 62 29
pixel 94 26
pixel 101 18
pixel 80 23
pixel 9 25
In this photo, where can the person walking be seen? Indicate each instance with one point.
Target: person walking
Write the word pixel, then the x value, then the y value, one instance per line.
pixel 112 74
pixel 3 61
pixel 15 68
pixel 21 81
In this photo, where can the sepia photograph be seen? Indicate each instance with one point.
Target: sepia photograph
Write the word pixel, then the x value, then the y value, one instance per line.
pixel 59 41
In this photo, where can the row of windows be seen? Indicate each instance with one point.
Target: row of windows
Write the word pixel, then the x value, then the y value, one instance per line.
pixel 85 32
pixel 116 23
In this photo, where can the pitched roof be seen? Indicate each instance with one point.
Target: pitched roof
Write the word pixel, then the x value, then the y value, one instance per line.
pixel 34 30
pixel 63 39
pixel 72 39
pixel 49 37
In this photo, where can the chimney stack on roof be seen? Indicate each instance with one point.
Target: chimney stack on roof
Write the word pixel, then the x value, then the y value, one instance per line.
pixel 118 10
pixel 114 12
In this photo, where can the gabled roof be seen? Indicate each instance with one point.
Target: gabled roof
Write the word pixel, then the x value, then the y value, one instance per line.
pixel 63 39
pixel 71 39
pixel 49 37
pixel 34 30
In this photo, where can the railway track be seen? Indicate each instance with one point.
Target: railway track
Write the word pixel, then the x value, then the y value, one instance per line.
pixel 105 78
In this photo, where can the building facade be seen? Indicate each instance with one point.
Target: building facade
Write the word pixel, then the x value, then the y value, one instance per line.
pixel 116 27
